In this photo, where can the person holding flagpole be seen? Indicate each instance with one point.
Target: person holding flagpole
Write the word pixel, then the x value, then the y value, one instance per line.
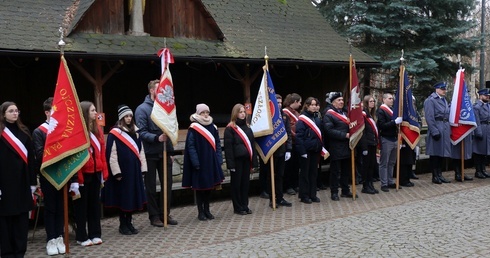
pixel 388 133
pixel 438 142
pixel 125 189
pixel 336 124
pixel 153 137
pixel 202 159
pixel 90 178
pixel 241 158
pixel 17 181
pixel 53 199
pixel 481 143
pixel 309 144
pixel 292 103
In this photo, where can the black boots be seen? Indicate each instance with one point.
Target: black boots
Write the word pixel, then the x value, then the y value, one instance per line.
pixel 366 188
pixel 207 213
pixel 441 178
pixel 435 177
pixel 202 199
pixel 126 224
pixel 457 175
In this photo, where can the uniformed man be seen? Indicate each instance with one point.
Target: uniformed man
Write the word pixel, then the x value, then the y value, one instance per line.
pixel 481 143
pixel 438 142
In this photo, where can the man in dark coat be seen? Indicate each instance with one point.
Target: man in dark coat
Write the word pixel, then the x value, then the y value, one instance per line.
pixel 481 142
pixel 438 142
pixel 336 125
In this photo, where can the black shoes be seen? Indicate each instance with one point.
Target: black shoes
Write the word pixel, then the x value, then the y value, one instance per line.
pixel 444 180
pixel 408 184
pixel 315 199
pixel 413 175
pixel 436 180
pixel 201 216
pixel 284 203
pixel 367 190
pixel 335 197
pixel 241 212
pixel 479 174
pixel 290 191
pixel 248 211
pixel 347 195
pixel 156 223
pixel 208 215
pixel 124 230
pixel 306 200
pixel 385 189
pixel 264 195
pixel 393 186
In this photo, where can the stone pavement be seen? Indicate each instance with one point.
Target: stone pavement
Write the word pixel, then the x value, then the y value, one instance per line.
pixel 449 220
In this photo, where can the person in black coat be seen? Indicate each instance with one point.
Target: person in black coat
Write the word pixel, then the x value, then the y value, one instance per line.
pixel 309 145
pixel 53 199
pixel 240 158
pixel 336 124
pixel 368 145
pixel 17 181
pixel 202 159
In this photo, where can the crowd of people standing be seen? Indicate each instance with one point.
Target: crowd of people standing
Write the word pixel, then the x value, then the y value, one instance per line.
pixel 126 164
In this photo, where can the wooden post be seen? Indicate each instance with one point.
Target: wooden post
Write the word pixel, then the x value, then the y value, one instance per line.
pixel 353 167
pixel 273 186
pixel 164 189
pixel 65 216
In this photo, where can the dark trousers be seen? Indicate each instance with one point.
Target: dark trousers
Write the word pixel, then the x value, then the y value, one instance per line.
pixel 87 208
pixel 308 175
pixel 264 174
pixel 53 209
pixel 13 235
pixel 291 172
pixel 405 173
pixel 339 175
pixel 435 162
pixel 240 183
pixel 368 164
pixel 155 200
pixel 279 166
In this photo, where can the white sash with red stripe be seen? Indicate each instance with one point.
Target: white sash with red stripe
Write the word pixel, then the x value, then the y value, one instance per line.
pixel 387 109
pixel 15 143
pixel 290 114
pixel 371 123
pixel 95 141
pixel 317 131
pixel 341 117
pixel 125 138
pixel 245 139
pixel 205 133
pixel 44 127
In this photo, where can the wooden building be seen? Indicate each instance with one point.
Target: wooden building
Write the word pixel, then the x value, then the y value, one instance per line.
pixel 219 49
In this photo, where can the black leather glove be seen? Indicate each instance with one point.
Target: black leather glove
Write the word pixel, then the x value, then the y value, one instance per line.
pixel 436 137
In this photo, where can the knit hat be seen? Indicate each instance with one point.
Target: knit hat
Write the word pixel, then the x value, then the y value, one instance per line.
pixel 201 108
pixel 123 110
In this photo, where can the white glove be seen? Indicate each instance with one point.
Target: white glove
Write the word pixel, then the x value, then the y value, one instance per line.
pixel 304 156
pixel 287 156
pixel 33 189
pixel 232 170
pixel 0 194
pixel 365 153
pixel 74 188
pixel 398 120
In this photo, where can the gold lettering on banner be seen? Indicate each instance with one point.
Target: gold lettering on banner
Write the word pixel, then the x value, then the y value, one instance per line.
pixel 260 106
pixel 70 109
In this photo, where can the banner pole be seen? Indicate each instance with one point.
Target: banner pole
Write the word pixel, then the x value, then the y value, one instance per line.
pixel 273 183
pixel 462 160
pixel 164 189
pixel 353 168
pixel 65 217
pixel 401 89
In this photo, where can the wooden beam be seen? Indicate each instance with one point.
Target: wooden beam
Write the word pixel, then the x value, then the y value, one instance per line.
pixel 245 79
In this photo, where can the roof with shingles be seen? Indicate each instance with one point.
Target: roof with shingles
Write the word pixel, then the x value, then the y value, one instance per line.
pixel 294 31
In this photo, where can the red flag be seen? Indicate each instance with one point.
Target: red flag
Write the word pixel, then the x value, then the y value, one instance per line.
pixel 67 142
pixel 164 113
pixel 355 107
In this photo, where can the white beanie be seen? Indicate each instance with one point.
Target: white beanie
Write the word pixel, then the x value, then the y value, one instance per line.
pixel 201 108
pixel 123 111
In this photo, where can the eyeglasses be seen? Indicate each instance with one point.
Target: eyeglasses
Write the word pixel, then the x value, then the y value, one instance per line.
pixel 12 111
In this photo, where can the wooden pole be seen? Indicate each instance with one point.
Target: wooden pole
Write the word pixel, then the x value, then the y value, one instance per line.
pixel 273 183
pixel 353 167
pixel 462 160
pixel 401 89
pixel 164 189
pixel 65 215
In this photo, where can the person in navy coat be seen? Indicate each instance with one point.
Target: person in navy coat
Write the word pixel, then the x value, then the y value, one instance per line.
pixel 438 142
pixel 481 142
pixel 202 159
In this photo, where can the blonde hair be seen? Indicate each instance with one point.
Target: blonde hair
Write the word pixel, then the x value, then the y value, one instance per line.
pixel 234 114
pixel 91 124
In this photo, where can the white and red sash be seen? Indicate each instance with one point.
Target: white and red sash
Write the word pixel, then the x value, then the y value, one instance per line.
pixel 125 138
pixel 341 117
pixel 245 140
pixel 44 127
pixel 371 123
pixel 290 114
pixel 95 142
pixel 317 131
pixel 15 143
pixel 204 133
pixel 387 109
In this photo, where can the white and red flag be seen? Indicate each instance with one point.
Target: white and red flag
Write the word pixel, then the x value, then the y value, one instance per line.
pixel 356 126
pixel 164 113
pixel 461 116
